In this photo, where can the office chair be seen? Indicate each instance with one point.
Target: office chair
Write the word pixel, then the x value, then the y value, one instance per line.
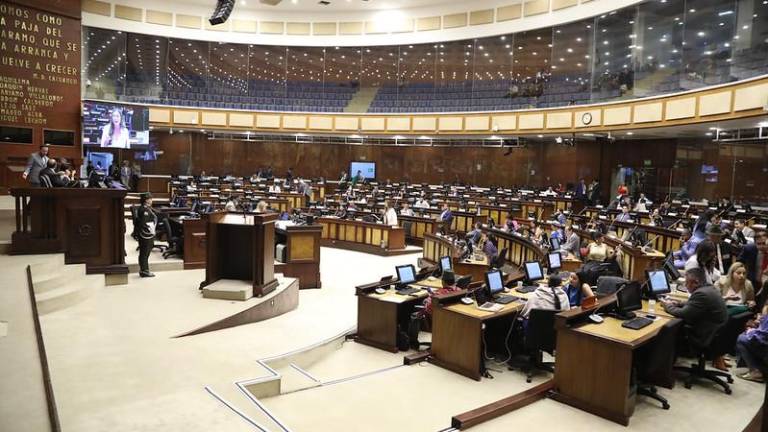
pixel 175 242
pixel 463 282
pixel 654 362
pixel 540 336
pixel 407 228
pixel 607 285
pixel 500 260
pixel 135 220
pixel 723 342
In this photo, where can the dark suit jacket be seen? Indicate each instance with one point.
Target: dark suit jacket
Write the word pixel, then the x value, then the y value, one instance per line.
pixel 704 313
pixel 749 256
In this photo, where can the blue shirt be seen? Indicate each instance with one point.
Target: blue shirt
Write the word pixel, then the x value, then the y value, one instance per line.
pixel 760 334
pixel 574 294
pixel 490 249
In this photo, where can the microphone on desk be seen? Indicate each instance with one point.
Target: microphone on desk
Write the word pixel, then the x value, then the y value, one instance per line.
pixel 646 247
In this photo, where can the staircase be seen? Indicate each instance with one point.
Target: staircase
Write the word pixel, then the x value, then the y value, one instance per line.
pixel 362 100
pixel 58 286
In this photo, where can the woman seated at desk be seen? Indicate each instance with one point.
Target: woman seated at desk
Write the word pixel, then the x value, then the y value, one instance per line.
pixel 490 247
pixel 736 289
pixel 576 289
pixel 597 250
pixel 510 224
pixel 705 258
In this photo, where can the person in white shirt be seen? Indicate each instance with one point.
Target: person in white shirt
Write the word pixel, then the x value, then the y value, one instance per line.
pixel 421 203
pixel 275 188
pixel 390 215
pixel 706 259
pixel 551 297
pixel 406 210
pixel 231 205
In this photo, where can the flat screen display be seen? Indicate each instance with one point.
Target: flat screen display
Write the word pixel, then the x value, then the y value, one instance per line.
pixel 367 169
pixel 709 169
pixel 554 259
pixel 533 271
pixel 445 263
pixel 493 279
pixel 117 126
pixel 657 281
pixel 406 274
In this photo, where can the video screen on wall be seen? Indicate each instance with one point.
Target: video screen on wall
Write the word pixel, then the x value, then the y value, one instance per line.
pixel 117 126
pixel 368 169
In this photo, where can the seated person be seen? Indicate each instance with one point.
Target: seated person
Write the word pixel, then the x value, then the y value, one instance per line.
pixel 406 210
pixel 422 203
pixel 577 289
pixel 561 218
pixel 572 243
pixel 736 288
pixel 687 249
pixel 490 247
pixel 557 233
pixel 275 187
pixel 550 297
pixel 231 205
pixel 752 346
pixel 510 224
pixel 624 215
pixel 262 207
pixel 704 312
pixel 476 234
pixel 740 229
pixel 597 250
pixel 49 175
pixel 656 219
pixel 448 280
pixel 705 259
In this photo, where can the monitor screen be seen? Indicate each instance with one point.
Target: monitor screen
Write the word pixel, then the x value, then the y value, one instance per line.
pixel 554 242
pixel 554 259
pixel 669 267
pixel 494 282
pixel 406 274
pixel 533 271
pixel 445 263
pixel 657 282
pixel 630 297
pixel 110 125
pixel 367 169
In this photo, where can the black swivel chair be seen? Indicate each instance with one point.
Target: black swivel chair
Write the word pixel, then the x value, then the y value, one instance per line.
pixel 607 285
pixel 540 337
pixel 463 282
pixel 654 362
pixel 407 228
pixel 500 260
pixel 175 241
pixel 723 342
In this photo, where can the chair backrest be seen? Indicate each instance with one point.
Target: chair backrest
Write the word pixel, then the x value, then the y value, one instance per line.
pixel 607 285
pixel 135 220
pixel 655 361
pixel 45 181
pixel 540 334
pixel 464 281
pixel 724 341
pixel 500 260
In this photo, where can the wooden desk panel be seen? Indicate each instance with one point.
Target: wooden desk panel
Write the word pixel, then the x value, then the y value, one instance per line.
pixel 419 227
pixel 362 236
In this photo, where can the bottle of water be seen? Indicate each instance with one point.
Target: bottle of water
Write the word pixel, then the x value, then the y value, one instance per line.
pixel 652 306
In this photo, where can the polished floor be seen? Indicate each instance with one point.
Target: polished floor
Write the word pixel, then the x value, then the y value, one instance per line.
pixel 116 366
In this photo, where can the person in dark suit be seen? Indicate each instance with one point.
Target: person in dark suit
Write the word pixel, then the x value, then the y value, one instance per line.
pixel 147 220
pixel 581 190
pixel 755 259
pixel 49 177
pixel 36 163
pixel 446 217
pixel 704 312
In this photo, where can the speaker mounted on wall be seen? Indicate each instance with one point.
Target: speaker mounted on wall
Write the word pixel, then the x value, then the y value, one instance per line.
pixel 221 13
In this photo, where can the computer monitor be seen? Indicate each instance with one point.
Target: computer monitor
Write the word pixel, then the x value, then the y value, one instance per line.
pixel 629 299
pixel 657 282
pixel 533 271
pixel 494 282
pixel 672 271
pixel 406 274
pixel 445 263
pixel 554 242
pixel 554 261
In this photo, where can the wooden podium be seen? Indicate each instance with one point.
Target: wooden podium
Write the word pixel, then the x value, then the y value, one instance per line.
pixel 87 225
pixel 241 246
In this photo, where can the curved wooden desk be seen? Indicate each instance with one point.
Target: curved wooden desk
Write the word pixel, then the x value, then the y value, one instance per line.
pixel 362 236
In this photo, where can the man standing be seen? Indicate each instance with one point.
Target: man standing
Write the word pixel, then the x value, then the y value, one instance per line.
pixel 36 163
pixel 581 191
pixel 147 220
pixel 125 174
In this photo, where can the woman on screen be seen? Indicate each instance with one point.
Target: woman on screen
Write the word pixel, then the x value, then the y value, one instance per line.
pixel 115 133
